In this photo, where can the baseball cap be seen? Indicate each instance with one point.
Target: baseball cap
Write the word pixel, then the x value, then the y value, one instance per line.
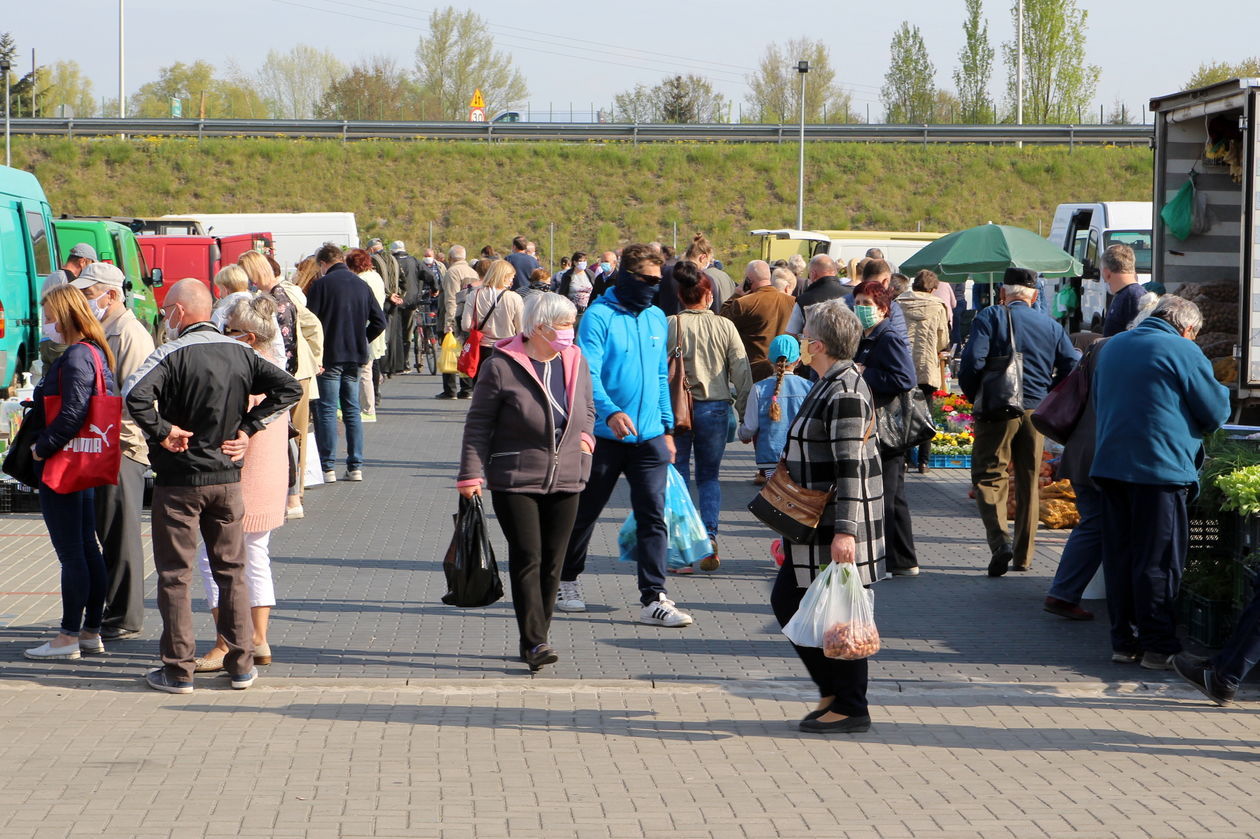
pixel 84 251
pixel 394 247
pixel 785 347
pixel 100 273
pixel 374 242
pixel 1020 276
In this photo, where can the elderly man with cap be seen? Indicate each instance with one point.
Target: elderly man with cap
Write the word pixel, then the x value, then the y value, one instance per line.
pixel 118 507
pixel 1048 357
pixel 384 264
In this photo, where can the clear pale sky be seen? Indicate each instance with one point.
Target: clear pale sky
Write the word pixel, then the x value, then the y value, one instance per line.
pixel 585 51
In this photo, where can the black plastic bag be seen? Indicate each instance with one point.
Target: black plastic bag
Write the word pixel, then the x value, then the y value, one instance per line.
pixel 472 575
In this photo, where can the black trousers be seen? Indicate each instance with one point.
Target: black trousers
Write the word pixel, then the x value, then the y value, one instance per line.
pixel 537 529
pixel 845 680
pixel 899 542
pixel 925 449
pixel 453 381
pixel 118 528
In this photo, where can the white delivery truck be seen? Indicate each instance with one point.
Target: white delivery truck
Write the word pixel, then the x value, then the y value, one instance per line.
pixel 1085 230
pixel 295 235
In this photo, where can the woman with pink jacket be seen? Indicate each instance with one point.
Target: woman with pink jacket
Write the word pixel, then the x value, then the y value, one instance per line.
pixel 264 489
pixel 528 438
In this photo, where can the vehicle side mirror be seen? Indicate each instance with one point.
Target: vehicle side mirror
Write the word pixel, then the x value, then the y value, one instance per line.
pixel 1090 271
pixel 154 280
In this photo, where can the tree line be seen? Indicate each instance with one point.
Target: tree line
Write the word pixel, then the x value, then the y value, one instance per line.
pixel 458 55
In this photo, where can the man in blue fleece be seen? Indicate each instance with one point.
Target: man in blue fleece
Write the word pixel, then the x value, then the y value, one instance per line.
pixel 623 337
pixel 1156 398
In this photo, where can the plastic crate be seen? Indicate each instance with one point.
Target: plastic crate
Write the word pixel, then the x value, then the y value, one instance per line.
pixel 1207 622
pixel 1217 533
pixel 1245 577
pixel 943 461
pixel 15 498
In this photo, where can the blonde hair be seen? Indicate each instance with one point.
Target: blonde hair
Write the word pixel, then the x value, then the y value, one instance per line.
pixel 257 269
pixel 68 308
pixel 500 274
pixel 781 369
pixel 232 278
pixel 307 270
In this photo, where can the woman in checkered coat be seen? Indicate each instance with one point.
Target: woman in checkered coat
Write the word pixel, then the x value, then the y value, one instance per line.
pixel 832 443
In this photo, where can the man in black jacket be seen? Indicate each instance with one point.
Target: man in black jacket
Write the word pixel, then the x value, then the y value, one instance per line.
pixel 823 285
pixel 190 398
pixel 351 318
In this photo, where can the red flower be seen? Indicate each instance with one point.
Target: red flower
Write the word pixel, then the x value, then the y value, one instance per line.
pixel 948 409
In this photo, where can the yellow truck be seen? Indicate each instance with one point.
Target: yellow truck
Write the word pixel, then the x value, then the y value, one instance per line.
pixel 841 245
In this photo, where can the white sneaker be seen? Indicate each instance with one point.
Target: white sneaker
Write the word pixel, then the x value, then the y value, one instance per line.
pixel 664 613
pixel 295 512
pixel 570 597
pixel 330 476
pixel 47 651
pixel 354 475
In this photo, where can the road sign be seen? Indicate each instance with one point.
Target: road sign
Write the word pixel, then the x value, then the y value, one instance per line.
pixel 478 101
pixel 177 108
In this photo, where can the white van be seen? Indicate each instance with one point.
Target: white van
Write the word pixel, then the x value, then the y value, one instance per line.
pixel 295 235
pixel 1085 231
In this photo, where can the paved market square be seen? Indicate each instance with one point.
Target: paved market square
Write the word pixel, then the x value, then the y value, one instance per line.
pixel 388 714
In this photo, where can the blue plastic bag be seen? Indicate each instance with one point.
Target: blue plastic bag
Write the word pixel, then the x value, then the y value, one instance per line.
pixel 688 540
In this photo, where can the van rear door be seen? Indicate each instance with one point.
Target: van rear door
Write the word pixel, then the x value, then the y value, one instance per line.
pixel 1249 365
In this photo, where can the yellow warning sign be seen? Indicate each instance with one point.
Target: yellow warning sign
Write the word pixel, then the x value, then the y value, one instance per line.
pixel 478 101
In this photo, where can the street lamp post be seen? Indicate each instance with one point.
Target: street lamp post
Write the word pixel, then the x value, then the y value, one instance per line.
pixel 1019 71
pixel 802 67
pixel 4 68
pixel 122 106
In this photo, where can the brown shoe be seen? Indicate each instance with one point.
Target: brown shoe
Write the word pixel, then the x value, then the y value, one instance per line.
pixel 711 562
pixel 760 478
pixel 262 654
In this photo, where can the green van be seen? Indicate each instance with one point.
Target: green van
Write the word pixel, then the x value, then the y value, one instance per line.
pixel 27 255
pixel 116 244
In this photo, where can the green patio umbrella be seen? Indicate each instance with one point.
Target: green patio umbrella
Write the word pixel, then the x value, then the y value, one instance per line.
pixel 989 250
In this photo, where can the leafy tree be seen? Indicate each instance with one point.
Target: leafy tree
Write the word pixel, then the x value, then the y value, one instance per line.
pixel 1058 84
pixel 294 82
pixel 946 108
pixel 774 90
pixel 223 98
pixel 975 68
pixel 63 83
pixel 909 89
pixel 21 102
pixel 676 99
pixel 375 89
pixel 457 58
pixel 1220 71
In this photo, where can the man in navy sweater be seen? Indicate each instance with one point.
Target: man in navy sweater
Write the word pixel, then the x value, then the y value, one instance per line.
pixel 1048 357
pixel 351 318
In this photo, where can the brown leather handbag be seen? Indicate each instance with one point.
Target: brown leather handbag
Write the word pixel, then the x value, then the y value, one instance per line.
pixel 789 509
pixel 680 398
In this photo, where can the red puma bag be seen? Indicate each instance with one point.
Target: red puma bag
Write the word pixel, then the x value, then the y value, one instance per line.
pixel 92 458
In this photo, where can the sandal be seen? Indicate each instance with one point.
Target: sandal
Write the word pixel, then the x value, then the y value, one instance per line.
pixel 262 654
pixel 686 569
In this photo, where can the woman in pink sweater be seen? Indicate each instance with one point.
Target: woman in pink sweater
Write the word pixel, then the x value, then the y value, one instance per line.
pixel 264 488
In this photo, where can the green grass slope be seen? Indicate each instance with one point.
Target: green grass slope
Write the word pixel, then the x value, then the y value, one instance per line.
pixel 597 196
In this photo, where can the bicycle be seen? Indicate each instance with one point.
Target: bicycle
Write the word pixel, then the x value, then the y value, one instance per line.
pixel 427 341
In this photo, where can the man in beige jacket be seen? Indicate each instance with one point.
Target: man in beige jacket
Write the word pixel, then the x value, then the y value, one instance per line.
pixel 118 507
pixel 458 277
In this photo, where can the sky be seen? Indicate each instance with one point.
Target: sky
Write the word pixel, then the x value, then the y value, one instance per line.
pixel 581 53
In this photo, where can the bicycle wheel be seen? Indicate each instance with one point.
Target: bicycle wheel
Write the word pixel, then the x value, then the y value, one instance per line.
pixel 430 354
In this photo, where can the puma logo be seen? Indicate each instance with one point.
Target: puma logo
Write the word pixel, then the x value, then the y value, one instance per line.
pixel 104 435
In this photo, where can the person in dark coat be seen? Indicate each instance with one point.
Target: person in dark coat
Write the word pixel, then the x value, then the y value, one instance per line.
pixel 398 309
pixel 888 371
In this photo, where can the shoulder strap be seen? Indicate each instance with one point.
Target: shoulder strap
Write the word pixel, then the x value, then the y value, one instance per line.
pixel 1010 320
pixel 482 325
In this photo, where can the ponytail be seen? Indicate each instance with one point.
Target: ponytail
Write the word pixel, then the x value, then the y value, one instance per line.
pixel 776 412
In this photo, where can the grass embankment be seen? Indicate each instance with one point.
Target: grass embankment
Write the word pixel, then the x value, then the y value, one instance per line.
pixel 597 196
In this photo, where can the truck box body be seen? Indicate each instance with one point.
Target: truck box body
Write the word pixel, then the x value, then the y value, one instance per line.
pixel 27 255
pixel 116 244
pixel 1228 253
pixel 295 235
pixel 199 257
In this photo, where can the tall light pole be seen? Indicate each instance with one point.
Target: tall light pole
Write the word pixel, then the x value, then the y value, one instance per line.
pixel 1019 66
pixel 802 67
pixel 122 101
pixel 4 68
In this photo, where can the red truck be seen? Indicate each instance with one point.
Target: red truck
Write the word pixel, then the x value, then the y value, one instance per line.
pixel 197 256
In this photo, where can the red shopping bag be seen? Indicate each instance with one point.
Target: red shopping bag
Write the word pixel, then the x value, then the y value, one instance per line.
pixel 93 457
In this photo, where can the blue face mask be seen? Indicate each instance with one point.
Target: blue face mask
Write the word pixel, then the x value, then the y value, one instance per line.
pixel 606 267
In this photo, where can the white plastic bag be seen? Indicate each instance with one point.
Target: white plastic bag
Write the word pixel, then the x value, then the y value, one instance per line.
pixel 836 614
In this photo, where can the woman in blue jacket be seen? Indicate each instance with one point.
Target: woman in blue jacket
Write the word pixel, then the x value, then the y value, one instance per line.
pixel 70 517
pixel 888 370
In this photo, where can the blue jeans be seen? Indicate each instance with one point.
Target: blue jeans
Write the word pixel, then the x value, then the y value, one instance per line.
pixel 708 437
pixel 1083 552
pixel 338 386
pixel 645 466
pixel 1242 650
pixel 71 522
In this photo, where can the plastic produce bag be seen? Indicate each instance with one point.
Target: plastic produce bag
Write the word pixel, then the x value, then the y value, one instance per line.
pixel 688 540
pixel 836 614
pixel 472 575
pixel 448 358
pixel 1178 214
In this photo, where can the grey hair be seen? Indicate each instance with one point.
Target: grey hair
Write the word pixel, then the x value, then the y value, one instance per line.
pixel 796 263
pixel 1179 313
pixel 546 309
pixel 1146 305
pixel 833 324
pixel 758 270
pixel 256 315
pixel 783 278
pixel 1019 292
pixel 456 253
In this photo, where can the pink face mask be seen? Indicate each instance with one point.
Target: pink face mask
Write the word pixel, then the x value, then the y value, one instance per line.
pixel 563 340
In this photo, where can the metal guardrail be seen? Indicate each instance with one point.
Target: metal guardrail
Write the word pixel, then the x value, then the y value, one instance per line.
pixel 587 132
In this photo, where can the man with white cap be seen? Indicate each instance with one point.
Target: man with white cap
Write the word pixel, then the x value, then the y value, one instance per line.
pixel 118 507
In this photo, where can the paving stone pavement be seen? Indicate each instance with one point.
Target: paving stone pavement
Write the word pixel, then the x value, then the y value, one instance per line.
pixel 389 714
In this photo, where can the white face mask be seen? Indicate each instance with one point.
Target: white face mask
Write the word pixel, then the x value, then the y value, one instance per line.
pixel 99 306
pixel 581 266
pixel 172 331
pixel 428 260
pixel 52 333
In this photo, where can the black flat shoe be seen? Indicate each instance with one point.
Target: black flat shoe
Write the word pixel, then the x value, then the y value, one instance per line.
pixel 848 725
pixel 813 715
pixel 1001 562
pixel 117 633
pixel 540 656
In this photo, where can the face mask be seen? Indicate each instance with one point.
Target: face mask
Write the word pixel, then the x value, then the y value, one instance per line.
pixel 633 293
pixel 428 260
pixel 867 315
pixel 99 306
pixel 563 339
pixel 172 331
pixel 52 333
pixel 606 267
pixel 581 266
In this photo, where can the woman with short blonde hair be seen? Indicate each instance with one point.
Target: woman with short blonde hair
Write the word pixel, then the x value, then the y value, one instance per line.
pixel 494 309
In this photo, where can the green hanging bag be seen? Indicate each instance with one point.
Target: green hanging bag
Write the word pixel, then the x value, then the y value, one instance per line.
pixel 1178 214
